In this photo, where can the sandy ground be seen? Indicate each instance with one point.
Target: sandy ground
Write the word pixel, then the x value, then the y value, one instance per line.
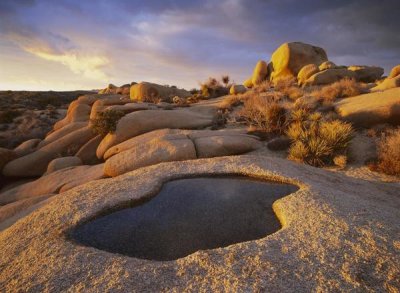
pixel 339 234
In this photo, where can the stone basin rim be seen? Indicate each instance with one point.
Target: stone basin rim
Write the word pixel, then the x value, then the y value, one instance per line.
pixel 146 197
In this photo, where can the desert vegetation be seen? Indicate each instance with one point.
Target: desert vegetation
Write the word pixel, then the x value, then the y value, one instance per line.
pixel 388 153
pixel 106 122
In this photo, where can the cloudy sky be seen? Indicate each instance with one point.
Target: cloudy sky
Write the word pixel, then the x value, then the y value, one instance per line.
pixel 77 44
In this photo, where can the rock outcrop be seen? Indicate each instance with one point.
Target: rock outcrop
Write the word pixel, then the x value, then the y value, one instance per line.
pixel 140 122
pixel 169 145
pixel 12 212
pixel 260 73
pixel 35 164
pixel 329 76
pixel 370 109
pixel 366 73
pixel 27 147
pixel 327 65
pixel 62 163
pixel 290 58
pixel 77 112
pixel 237 89
pixel 387 83
pixel 306 72
pixel 87 153
pixel 6 156
pixel 395 71
pixel 150 92
pixel 55 182
pixel 339 234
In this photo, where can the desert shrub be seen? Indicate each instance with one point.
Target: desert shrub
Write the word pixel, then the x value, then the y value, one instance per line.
pixel 262 87
pixel 341 89
pixel 212 88
pixel 225 80
pixel 265 113
pixel 289 88
pixel 231 101
pixel 317 142
pixel 106 121
pixel 389 153
pixel 8 116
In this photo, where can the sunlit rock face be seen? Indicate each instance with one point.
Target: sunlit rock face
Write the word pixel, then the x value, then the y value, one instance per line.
pixel 188 215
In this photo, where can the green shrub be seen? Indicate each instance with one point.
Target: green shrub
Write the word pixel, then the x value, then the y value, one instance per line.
pixel 106 122
pixel 317 142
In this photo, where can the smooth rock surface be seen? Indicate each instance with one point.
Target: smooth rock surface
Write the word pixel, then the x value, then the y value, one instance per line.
pixel 56 182
pixel 140 122
pixel 329 76
pixel 87 153
pixel 35 164
pixel 290 58
pixel 64 162
pixel 171 147
pixel 27 147
pixel 12 212
pixel 338 234
pixel 370 109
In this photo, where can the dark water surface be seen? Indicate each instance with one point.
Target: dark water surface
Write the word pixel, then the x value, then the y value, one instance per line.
pixel 189 215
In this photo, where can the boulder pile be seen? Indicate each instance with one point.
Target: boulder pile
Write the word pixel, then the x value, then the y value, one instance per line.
pixel 310 66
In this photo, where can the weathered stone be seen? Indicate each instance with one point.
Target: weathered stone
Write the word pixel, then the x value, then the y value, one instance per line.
pixel 6 156
pixel 329 76
pixel 12 212
pixel 91 99
pixel 87 153
pixel 290 58
pixel 342 231
pixel 395 71
pixel 225 145
pixel 59 133
pixel 237 89
pixel 327 65
pixel 172 147
pixel 260 73
pixel 140 122
pixel 370 109
pixel 140 140
pixel 248 83
pixel 388 83
pixel 366 73
pixel 146 91
pixel 77 112
pixel 306 72
pixel 35 164
pixel 27 147
pixel 55 182
pixel 62 163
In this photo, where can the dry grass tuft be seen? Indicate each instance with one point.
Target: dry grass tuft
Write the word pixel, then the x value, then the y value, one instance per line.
pixel 317 142
pixel 341 89
pixel 289 88
pixel 389 153
pixel 265 112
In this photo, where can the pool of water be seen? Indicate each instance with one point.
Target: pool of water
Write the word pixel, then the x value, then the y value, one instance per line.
pixel 188 215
